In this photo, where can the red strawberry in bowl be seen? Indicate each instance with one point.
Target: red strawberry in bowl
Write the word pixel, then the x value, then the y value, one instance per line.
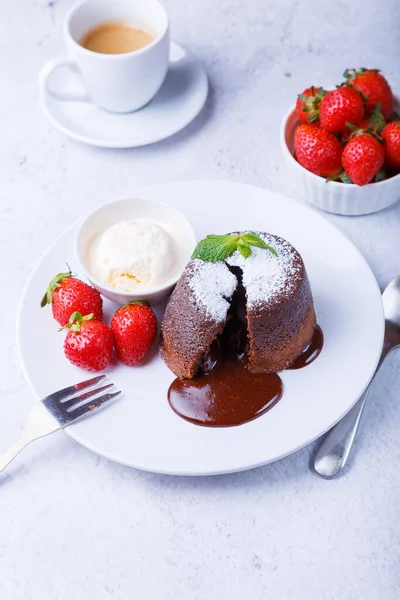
pixel 339 107
pixel 135 328
pixel 89 343
pixel 308 103
pixel 318 150
pixel 363 157
pixel 67 294
pixel 375 88
pixel 374 122
pixel 391 138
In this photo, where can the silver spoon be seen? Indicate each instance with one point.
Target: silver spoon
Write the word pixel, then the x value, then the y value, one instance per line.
pixel 334 451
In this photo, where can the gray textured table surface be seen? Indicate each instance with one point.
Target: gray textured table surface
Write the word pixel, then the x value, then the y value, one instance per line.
pixel 74 525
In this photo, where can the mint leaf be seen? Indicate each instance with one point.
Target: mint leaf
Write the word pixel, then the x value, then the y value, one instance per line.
pixel 255 240
pixel 216 247
pixel 244 250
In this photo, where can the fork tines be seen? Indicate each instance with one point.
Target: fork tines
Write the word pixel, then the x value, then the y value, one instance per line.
pixel 67 406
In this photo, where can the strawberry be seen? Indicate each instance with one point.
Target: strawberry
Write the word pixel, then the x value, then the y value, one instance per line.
pixel 66 294
pixel 339 107
pixel 374 86
pixel 373 122
pixel 89 343
pixel 135 328
pixel 318 150
pixel 363 157
pixel 391 137
pixel 308 103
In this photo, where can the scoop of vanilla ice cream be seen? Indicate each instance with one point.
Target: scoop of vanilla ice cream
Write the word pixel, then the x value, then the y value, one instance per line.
pixel 131 255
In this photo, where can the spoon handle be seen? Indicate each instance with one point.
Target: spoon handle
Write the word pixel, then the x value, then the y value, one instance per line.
pixel 334 450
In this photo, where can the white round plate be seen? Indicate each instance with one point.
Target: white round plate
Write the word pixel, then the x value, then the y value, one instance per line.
pixel 179 101
pixel 140 429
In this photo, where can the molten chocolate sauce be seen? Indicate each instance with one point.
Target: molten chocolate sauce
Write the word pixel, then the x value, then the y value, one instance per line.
pixel 311 352
pixel 228 394
pixel 225 393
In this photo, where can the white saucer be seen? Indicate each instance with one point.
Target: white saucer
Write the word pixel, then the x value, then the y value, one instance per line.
pixel 179 101
pixel 140 429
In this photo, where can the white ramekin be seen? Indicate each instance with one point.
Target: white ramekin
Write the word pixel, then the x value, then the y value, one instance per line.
pixel 332 196
pixel 173 221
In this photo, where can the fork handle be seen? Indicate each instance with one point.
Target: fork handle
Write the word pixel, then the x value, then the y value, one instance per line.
pixel 39 424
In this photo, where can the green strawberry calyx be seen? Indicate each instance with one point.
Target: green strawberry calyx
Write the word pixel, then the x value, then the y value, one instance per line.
pixel 356 131
pixel 352 73
pixel 341 177
pixel 132 303
pixel 76 320
pixel 218 247
pixel 344 178
pixel 138 302
pixel 377 119
pixel 381 175
pixel 311 104
pixel 54 284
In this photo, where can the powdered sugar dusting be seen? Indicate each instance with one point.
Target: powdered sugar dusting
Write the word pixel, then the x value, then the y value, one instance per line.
pixel 266 275
pixel 212 285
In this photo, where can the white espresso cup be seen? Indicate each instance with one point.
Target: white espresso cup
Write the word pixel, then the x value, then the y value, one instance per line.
pixel 118 83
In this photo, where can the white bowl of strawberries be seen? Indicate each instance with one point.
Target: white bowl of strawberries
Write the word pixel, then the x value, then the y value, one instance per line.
pixel 343 145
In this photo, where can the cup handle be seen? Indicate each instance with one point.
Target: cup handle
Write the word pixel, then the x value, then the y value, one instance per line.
pixel 48 70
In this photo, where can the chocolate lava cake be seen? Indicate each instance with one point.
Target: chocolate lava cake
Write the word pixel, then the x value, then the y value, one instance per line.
pixel 274 292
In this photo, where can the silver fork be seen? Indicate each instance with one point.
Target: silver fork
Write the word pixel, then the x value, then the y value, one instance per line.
pixel 57 411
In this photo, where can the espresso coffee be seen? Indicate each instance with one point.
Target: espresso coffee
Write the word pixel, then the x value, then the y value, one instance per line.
pixel 116 38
